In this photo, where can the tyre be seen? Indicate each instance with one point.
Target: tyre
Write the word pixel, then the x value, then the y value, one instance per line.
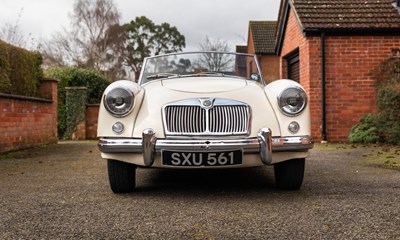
pixel 122 176
pixel 289 174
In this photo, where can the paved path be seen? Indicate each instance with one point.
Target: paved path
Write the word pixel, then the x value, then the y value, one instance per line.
pixel 62 192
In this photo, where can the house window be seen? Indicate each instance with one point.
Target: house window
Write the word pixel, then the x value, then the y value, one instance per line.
pixel 293 66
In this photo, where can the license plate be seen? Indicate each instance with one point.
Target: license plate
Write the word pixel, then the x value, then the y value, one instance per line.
pixel 200 159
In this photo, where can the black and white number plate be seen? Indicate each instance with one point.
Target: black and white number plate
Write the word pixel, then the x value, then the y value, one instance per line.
pixel 201 159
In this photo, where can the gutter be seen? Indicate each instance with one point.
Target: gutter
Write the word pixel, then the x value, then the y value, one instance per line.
pixel 323 89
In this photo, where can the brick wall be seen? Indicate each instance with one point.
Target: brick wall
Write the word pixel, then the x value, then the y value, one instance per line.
pixel 350 61
pixel 92 113
pixel 26 122
pixel 269 67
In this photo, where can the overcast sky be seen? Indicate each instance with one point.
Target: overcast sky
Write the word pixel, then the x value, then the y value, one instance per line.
pixel 224 19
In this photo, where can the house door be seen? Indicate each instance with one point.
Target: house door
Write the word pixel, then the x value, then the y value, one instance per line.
pixel 294 67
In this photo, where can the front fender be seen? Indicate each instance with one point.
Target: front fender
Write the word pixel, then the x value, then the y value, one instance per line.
pixel 106 119
pixel 273 90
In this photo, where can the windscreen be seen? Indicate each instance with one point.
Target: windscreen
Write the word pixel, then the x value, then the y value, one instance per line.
pixel 205 64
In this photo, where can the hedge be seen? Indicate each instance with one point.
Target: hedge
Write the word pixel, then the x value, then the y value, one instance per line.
pixel 20 71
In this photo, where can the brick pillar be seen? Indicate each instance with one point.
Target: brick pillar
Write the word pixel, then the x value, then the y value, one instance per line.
pixel 92 113
pixel 75 110
pixel 49 89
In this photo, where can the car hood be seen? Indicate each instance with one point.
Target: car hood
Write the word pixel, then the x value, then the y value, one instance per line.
pixel 202 85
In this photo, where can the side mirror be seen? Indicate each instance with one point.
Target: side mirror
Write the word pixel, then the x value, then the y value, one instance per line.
pixel 255 76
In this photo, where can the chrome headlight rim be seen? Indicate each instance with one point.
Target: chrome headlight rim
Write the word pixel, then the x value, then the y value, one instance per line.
pixel 128 109
pixel 288 110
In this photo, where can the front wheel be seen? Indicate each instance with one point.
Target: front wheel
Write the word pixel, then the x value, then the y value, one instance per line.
pixel 122 176
pixel 289 174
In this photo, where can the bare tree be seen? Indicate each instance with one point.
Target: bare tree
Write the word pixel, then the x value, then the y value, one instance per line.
pixel 215 61
pixel 214 44
pixel 94 40
pixel 13 34
pixel 60 51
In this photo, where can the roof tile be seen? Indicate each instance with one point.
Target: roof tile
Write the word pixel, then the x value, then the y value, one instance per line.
pixel 241 48
pixel 263 33
pixel 347 14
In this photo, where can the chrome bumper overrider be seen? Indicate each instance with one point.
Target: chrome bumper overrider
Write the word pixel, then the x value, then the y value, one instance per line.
pixel 149 145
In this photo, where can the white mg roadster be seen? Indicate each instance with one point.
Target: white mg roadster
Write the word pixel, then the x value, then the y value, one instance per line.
pixel 204 110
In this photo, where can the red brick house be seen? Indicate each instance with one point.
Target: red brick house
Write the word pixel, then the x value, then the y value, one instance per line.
pixel 332 47
pixel 261 42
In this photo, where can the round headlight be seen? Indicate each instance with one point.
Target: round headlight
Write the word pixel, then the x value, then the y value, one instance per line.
pixel 119 101
pixel 292 101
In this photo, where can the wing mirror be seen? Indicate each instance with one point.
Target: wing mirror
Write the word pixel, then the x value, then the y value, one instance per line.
pixel 255 76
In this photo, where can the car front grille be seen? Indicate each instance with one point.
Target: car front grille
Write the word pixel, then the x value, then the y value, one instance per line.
pixel 191 117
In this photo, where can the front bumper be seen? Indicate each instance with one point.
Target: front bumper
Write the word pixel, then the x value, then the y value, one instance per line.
pixel 149 145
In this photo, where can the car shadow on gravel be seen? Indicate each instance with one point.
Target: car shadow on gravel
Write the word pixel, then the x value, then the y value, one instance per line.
pixel 205 180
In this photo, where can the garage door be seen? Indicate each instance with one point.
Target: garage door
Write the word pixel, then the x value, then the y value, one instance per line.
pixel 294 67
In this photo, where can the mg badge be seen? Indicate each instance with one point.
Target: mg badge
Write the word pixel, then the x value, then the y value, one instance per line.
pixel 207 103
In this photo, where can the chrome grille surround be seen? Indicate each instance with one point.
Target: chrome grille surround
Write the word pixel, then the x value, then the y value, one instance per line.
pixel 206 117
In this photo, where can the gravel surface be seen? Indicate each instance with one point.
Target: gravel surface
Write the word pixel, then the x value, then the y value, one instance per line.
pixel 62 192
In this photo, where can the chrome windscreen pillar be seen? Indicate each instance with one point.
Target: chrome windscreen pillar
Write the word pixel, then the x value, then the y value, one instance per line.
pixel 148 143
pixel 265 140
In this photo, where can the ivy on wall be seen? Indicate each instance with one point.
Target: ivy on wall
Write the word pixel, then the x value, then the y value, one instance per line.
pixel 75 108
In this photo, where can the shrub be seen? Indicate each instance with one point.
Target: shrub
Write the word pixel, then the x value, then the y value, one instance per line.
pixel 393 136
pixel 388 102
pixel 76 77
pixel 366 131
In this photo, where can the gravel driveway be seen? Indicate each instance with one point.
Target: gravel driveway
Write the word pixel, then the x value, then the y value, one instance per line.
pixel 61 192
